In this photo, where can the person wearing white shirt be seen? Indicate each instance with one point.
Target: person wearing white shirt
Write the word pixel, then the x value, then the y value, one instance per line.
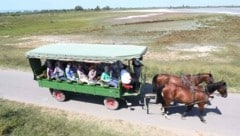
pixel 125 76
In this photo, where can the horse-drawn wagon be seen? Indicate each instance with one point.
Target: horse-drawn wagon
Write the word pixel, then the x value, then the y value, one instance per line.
pixel 166 88
pixel 86 54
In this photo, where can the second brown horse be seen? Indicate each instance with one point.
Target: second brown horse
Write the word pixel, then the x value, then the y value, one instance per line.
pixel 199 95
pixel 160 80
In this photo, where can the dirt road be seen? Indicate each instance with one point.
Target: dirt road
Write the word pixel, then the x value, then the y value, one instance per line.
pixel 223 115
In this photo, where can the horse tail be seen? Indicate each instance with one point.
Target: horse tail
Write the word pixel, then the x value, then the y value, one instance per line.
pixel 157 89
pixel 154 83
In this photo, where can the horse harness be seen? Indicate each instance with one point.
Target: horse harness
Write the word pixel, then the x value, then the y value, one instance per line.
pixel 205 89
pixel 184 80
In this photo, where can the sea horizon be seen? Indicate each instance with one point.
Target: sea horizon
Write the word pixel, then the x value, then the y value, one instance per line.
pixel 221 10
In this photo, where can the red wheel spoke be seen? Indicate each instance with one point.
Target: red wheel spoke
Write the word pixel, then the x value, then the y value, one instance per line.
pixel 59 95
pixel 111 103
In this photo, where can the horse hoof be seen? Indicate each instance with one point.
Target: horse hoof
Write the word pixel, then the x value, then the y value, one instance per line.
pixel 166 116
pixel 183 117
pixel 203 121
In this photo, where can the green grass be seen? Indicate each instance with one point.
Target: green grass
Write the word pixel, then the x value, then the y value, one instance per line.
pixel 17 119
pixel 53 23
pixel 157 33
pixel 20 119
pixel 13 57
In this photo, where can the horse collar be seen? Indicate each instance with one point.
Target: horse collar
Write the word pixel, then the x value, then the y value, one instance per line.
pixel 206 90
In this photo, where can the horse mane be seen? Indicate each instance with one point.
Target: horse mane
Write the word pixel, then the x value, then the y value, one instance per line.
pixel 211 88
pixel 164 74
pixel 210 75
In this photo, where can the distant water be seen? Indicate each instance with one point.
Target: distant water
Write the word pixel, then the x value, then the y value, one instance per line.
pixel 231 11
pixel 221 10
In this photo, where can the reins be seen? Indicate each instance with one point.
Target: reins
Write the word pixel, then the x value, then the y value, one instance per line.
pixel 184 80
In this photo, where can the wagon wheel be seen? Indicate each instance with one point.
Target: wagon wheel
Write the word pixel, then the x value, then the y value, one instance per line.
pixel 111 103
pixel 59 95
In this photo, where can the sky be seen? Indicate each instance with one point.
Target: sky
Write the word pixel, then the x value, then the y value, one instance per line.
pixel 6 5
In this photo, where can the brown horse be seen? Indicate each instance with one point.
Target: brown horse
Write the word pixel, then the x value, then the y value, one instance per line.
pixel 160 80
pixel 199 95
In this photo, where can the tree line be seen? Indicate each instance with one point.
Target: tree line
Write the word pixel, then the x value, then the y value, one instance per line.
pixel 80 8
pixel 76 8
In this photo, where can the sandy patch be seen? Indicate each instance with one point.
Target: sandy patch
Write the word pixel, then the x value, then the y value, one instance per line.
pixel 180 52
pixel 194 48
pixel 35 41
pixel 173 56
pixel 150 10
pixel 138 16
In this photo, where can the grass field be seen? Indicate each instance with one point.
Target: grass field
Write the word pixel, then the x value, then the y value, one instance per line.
pixel 18 119
pixel 19 33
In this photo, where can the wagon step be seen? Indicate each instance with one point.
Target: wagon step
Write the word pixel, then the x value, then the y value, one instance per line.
pixel 130 94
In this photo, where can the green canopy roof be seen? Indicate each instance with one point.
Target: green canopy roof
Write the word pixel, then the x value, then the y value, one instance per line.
pixel 87 52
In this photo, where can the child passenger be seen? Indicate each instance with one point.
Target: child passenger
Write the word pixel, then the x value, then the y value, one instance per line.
pixel 106 78
pixel 70 74
pixel 59 71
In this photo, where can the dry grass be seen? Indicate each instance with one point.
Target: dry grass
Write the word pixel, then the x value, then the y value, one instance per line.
pixel 157 32
pixel 220 29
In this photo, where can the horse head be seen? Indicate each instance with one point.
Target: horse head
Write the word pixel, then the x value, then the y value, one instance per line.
pixel 222 88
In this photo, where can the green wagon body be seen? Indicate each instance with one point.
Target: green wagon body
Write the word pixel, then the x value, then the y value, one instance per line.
pixel 93 53
pixel 81 88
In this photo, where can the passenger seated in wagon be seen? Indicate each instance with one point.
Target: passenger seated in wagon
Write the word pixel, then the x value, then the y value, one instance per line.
pixel 58 72
pixel 92 75
pixel 106 78
pixel 126 79
pixel 82 77
pixel 70 73
pixel 50 70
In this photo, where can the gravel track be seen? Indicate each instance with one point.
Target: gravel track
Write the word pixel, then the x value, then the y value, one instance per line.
pixel 223 115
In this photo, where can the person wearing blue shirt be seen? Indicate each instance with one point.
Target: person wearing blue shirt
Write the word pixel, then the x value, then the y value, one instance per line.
pixel 70 74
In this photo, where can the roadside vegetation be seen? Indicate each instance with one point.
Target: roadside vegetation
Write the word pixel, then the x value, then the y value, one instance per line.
pixel 158 32
pixel 18 119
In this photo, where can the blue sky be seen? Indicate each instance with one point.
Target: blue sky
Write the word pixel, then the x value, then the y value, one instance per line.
pixel 70 4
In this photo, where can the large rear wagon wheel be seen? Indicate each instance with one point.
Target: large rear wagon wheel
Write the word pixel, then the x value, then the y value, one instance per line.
pixel 59 95
pixel 111 103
